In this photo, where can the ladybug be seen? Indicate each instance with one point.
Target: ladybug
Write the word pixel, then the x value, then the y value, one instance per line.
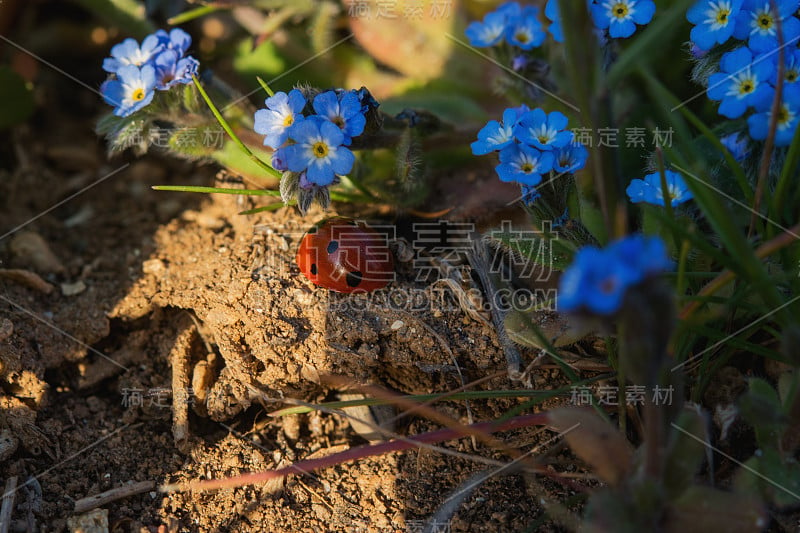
pixel 345 255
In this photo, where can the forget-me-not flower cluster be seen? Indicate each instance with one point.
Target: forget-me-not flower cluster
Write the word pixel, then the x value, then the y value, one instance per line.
pixel 521 27
pixel 747 76
pixel 137 70
pixel 530 143
pixel 314 145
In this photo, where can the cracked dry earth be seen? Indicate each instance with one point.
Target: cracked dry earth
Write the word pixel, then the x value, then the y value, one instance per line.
pixel 145 336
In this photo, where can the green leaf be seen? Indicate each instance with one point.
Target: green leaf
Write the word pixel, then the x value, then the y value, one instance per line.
pixel 16 99
pixel 762 409
pixel 777 480
pixel 707 509
pixel 684 454
pixel 234 159
pixel 264 60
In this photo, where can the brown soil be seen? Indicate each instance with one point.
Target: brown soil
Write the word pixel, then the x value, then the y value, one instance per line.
pixel 124 295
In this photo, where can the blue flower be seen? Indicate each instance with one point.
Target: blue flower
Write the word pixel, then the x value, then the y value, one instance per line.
pixel 598 280
pixel 791 68
pixel 542 130
pixel 171 69
pixel 570 158
pixel 318 150
pixel 525 31
pixel 128 52
pixel 736 145
pixel 523 164
pixel 622 16
pixel 552 13
pixel 343 110
pixel 496 135
pixel 741 83
pixel 788 116
pixel 649 189
pixel 757 22
pixel 489 32
pixel 643 256
pixel 131 90
pixel 282 111
pixel 176 39
pixel 715 21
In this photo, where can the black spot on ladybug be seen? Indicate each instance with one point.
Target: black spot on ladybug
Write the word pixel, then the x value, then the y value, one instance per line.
pixel 354 278
pixel 333 246
pixel 313 230
pixel 314 269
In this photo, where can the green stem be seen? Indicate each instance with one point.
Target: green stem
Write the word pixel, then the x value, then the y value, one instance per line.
pixel 224 123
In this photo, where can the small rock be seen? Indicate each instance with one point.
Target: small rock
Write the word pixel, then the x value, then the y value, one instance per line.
pixel 95 521
pixel 71 289
pixel 397 324
pixel 155 267
pixel 32 250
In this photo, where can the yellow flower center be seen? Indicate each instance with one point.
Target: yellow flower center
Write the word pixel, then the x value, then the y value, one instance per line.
pixel 722 17
pixel 765 21
pixel 620 10
pixel 288 120
pixel 527 168
pixel 521 37
pixel 746 87
pixel 137 95
pixel 320 149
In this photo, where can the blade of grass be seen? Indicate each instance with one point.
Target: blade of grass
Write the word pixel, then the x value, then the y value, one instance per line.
pixel 219 190
pixel 266 87
pixel 788 177
pixel 465 395
pixel 192 14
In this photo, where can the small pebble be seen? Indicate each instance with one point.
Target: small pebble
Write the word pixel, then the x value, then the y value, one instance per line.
pixel 397 324
pixel 71 289
pixel 153 266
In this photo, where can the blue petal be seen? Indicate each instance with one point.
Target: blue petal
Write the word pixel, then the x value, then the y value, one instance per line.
pixel 557 120
pixel 621 29
pixel 645 9
pixel 341 160
pixel 326 104
pixel 331 133
pixel 320 173
pixel 296 157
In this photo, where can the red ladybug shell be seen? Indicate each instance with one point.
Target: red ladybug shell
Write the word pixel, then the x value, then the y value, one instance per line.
pixel 345 255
